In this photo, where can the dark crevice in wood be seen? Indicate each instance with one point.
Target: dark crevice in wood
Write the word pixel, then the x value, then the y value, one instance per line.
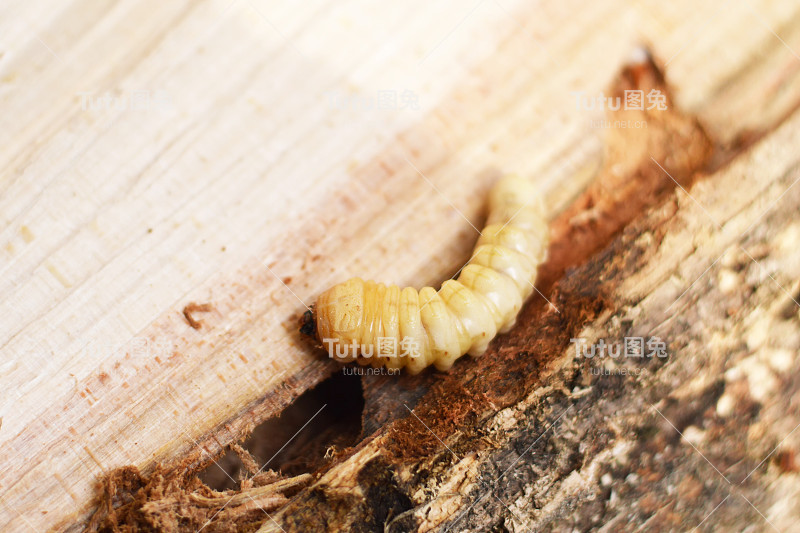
pixel 311 439
pixel 302 439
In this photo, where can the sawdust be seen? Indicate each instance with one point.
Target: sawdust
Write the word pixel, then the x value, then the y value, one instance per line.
pixel 170 500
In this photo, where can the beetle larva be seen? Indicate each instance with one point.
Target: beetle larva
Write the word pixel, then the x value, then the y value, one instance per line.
pixel 388 326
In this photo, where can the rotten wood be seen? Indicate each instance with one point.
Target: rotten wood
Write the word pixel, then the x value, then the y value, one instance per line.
pixel 536 437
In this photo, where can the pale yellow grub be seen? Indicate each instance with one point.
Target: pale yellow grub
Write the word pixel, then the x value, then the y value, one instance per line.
pixel 374 324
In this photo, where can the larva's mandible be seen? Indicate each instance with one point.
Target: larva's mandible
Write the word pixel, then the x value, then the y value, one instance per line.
pixel 388 326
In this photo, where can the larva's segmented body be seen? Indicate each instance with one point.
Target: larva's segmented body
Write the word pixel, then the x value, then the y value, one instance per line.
pixel 386 326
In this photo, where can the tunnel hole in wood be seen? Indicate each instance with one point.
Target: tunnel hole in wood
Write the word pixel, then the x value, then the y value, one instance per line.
pixel 322 419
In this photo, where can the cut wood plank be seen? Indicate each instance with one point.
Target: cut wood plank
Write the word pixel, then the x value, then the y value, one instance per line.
pixel 114 220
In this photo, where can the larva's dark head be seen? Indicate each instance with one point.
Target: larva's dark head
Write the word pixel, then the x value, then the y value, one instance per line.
pixel 308 325
pixel 339 311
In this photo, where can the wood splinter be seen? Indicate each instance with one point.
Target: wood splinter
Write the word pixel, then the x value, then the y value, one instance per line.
pixel 195 308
